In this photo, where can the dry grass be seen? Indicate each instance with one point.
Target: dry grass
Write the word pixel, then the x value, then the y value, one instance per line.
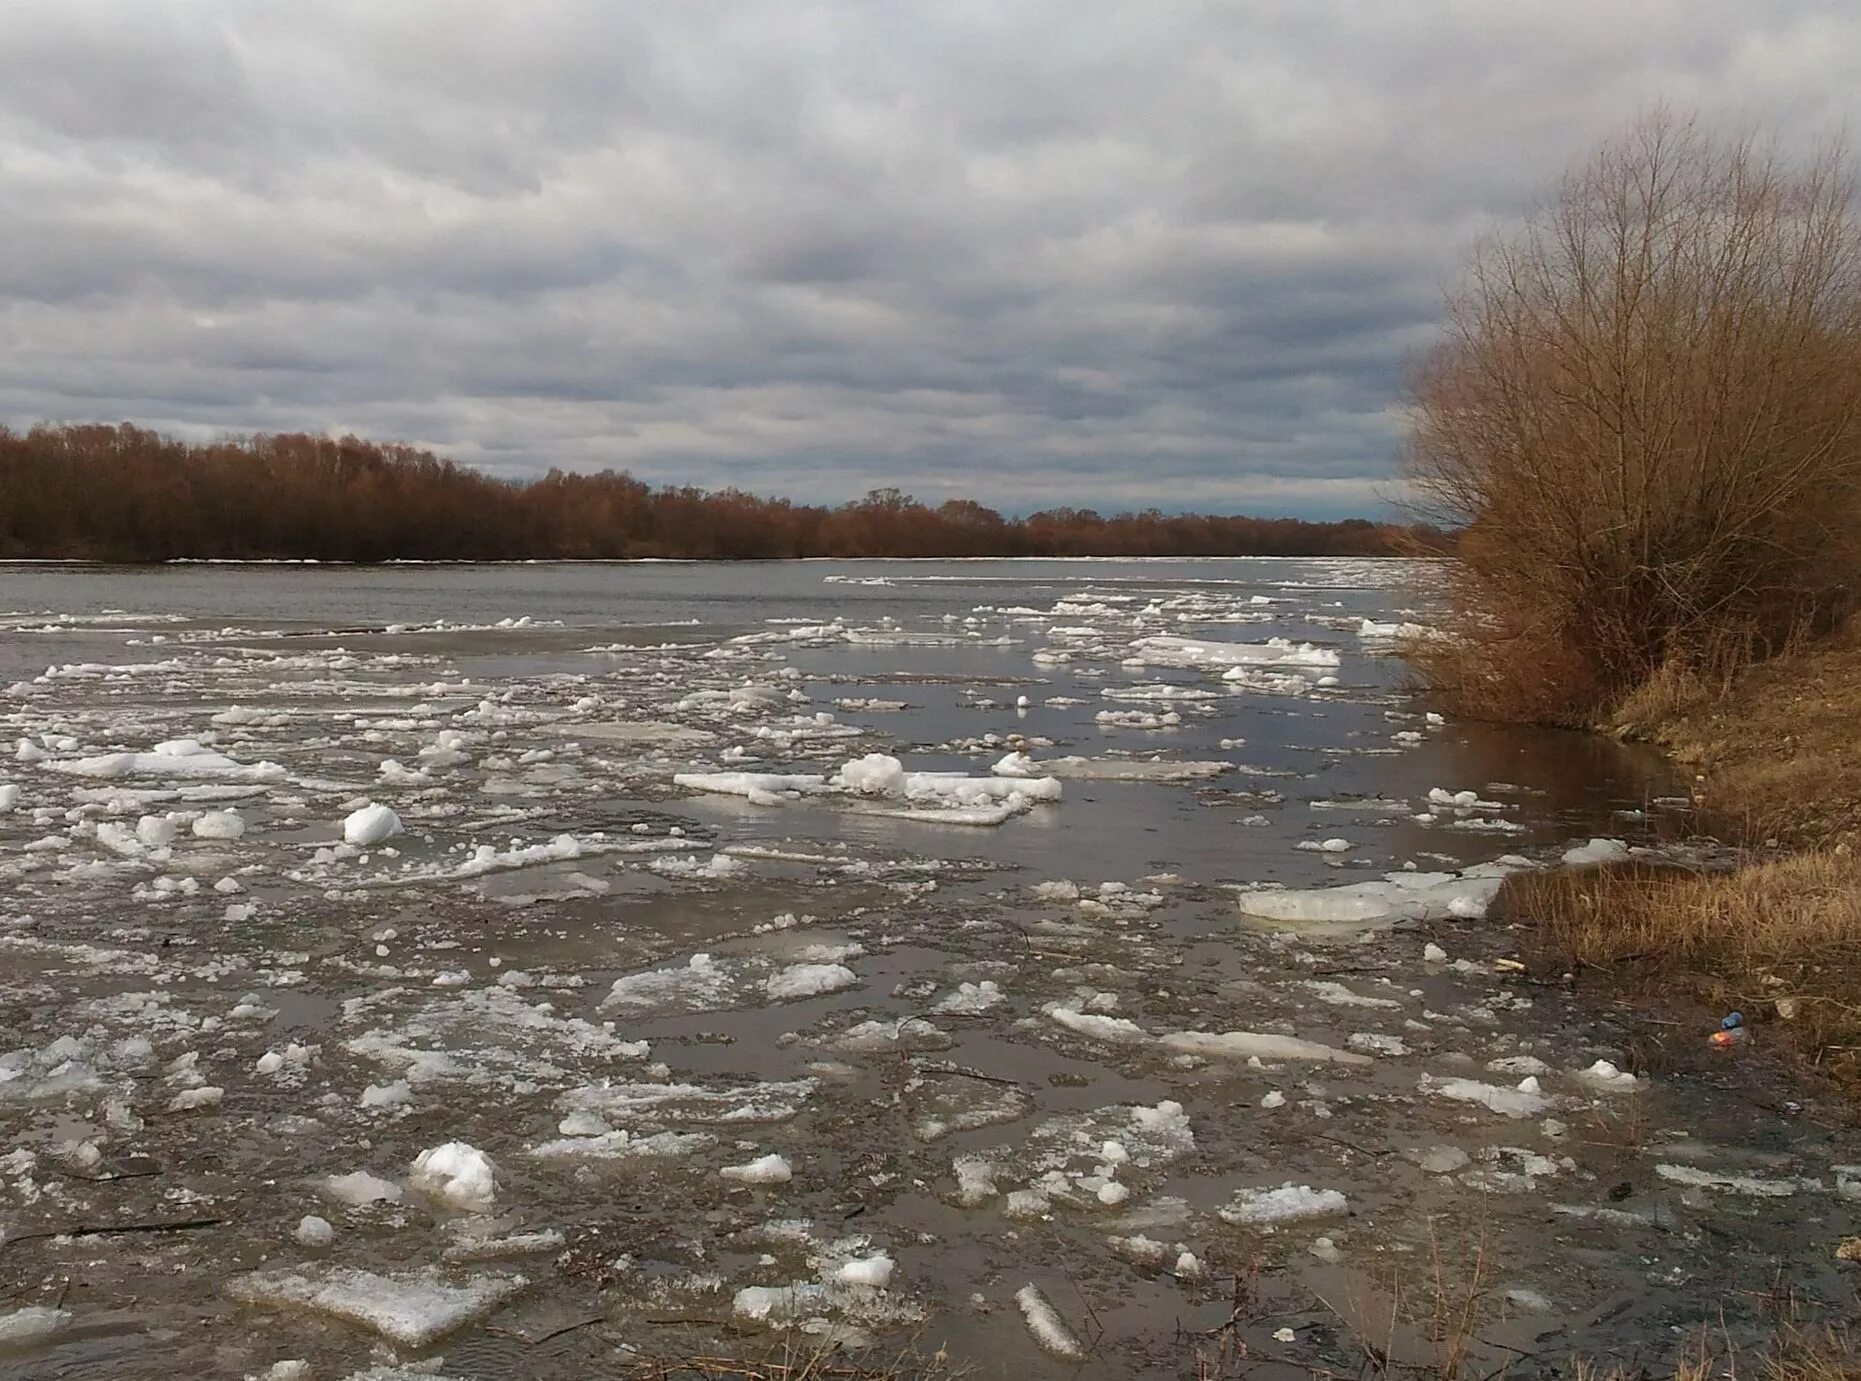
pixel 791 1360
pixel 1802 1355
pixel 1795 1354
pixel 1776 939
pixel 1779 747
pixel 1778 753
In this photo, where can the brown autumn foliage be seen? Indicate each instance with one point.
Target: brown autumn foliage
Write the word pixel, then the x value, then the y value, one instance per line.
pixel 1647 417
pixel 123 493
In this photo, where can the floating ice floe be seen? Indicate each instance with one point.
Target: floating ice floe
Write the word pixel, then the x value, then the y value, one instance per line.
pixel 1596 853
pixel 1020 765
pixel 769 1169
pixel 370 825
pixel 1372 631
pixel 1692 1177
pixel 1233 1045
pixel 888 789
pixel 1286 1204
pixel 1401 896
pixel 1170 650
pixel 358 1189
pixel 34 1324
pixel 799 981
pixel 219 824
pixel 414 1309
pixel 458 1175
pixel 1525 1100
pixel 1249 1045
pixel 1046 1325
pixel 181 759
pixel 312 1231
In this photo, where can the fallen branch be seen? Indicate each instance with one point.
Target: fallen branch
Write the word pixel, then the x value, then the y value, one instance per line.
pixel 85 1230
pixel 538 1339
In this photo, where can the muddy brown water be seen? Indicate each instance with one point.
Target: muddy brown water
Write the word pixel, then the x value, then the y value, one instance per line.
pixel 1608 1222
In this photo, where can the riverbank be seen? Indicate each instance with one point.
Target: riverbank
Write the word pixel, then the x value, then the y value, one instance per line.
pixel 1778 761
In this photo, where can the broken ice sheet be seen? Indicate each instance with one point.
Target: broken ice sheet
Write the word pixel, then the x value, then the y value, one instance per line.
pixel 414 1309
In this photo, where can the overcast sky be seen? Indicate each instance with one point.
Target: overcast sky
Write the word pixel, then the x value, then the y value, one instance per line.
pixel 1030 251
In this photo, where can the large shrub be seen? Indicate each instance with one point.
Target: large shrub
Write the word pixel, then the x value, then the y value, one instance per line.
pixel 1646 415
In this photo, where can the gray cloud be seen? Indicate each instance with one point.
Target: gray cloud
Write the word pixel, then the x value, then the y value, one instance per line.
pixel 1077 250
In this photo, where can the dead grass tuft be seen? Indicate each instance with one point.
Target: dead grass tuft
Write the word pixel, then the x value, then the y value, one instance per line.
pixel 791 1360
pixel 1819 1355
pixel 1794 1354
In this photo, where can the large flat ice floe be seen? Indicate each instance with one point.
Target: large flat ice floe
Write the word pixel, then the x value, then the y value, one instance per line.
pixel 1287 1204
pixel 1020 765
pixel 1172 651
pixel 883 786
pixel 1232 1045
pixel 177 760
pixel 413 1309
pixel 1402 896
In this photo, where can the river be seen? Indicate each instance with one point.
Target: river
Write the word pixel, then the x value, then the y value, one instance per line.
pixel 547 970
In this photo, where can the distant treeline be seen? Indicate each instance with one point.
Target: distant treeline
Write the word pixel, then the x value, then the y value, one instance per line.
pixel 127 494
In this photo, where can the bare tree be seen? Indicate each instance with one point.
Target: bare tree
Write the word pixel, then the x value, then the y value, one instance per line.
pixel 1647 415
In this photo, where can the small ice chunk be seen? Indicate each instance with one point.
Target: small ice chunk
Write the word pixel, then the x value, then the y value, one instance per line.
pixel 370 825
pixel 30 1325
pixel 457 1174
pixel 1527 1100
pixel 583 1123
pixel 1289 1203
pixel 359 1188
pixel 1115 1029
pixel 390 1095
pixel 1595 853
pixel 206 1096
pixel 313 1231
pixel 776 1303
pixel 975 1181
pixel 156 831
pixel 219 824
pixel 769 1169
pixel 1048 1328
pixel 1606 1074
pixel 1442 1160
pixel 872 1271
pixel 1433 953
pixel 808 980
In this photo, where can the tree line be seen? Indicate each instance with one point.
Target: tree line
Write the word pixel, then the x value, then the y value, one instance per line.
pixel 128 494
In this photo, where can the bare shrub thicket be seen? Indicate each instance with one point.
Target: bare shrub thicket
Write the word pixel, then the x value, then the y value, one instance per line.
pixel 128 494
pixel 1647 416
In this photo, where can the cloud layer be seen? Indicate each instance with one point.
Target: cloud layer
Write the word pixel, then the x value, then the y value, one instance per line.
pixel 1082 251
